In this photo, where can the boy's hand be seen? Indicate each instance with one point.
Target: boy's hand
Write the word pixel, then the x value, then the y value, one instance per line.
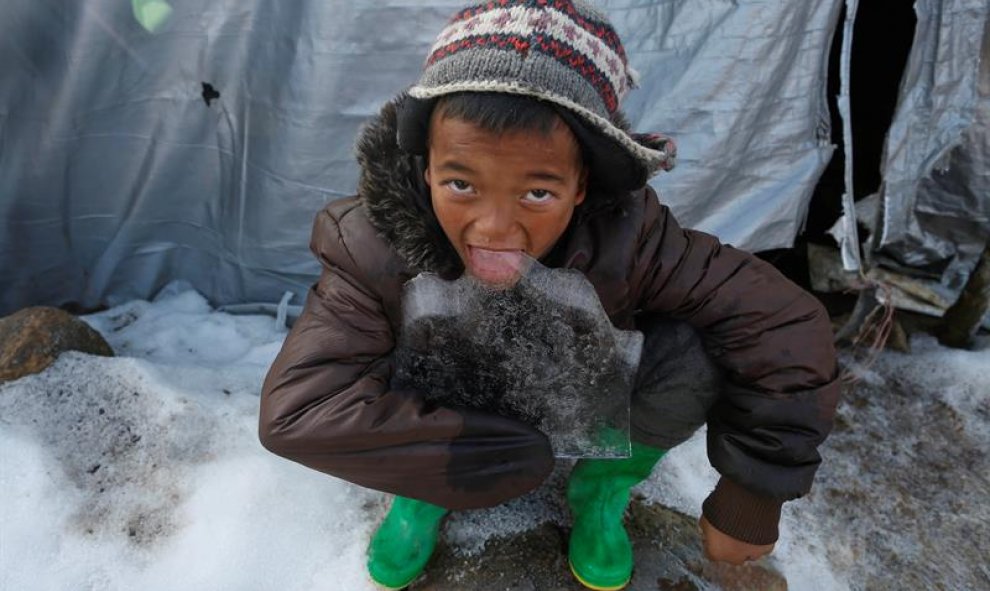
pixel 724 548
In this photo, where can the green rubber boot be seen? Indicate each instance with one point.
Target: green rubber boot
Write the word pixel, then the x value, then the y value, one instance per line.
pixel 404 542
pixel 600 552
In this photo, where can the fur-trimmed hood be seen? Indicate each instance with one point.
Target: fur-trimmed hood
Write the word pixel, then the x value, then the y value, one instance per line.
pixel 397 199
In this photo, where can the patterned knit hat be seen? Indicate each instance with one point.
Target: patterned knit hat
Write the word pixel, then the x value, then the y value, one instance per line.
pixel 561 51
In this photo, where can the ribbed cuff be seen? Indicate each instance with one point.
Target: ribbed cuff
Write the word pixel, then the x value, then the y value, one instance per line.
pixel 740 514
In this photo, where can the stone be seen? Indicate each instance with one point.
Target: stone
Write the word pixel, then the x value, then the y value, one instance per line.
pixel 898 338
pixel 963 319
pixel 32 339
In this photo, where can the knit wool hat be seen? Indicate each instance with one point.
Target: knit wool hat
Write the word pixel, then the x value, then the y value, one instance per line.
pixel 561 51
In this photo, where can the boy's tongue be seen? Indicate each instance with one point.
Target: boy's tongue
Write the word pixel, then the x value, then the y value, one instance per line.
pixel 499 267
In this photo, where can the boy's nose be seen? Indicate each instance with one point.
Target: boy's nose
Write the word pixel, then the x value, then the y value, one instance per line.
pixel 496 223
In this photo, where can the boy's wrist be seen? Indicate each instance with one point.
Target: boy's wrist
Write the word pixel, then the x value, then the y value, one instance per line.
pixel 741 514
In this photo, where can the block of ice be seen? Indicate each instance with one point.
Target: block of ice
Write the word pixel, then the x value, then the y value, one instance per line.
pixel 542 351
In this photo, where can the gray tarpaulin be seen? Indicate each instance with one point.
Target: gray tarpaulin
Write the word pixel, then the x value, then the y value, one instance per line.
pixel 936 169
pixel 116 176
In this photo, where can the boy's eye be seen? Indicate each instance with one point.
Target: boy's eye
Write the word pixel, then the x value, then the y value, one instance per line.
pixel 460 187
pixel 539 196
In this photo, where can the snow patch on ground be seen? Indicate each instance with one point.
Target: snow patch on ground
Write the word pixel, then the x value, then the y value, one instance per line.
pixel 145 472
pixel 961 378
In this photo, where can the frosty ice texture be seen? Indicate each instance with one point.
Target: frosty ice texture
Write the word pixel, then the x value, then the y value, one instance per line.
pixel 542 351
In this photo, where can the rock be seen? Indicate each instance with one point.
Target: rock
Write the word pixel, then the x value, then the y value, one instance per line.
pixel 964 317
pixel 32 338
pixel 666 544
pixel 826 272
pixel 898 338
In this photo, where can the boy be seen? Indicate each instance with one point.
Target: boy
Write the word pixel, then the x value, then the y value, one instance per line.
pixel 512 145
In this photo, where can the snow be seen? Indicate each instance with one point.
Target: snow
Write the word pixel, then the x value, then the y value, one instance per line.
pixel 145 470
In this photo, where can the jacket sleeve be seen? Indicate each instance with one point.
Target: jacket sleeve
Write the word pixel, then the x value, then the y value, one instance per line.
pixel 326 402
pixel 772 340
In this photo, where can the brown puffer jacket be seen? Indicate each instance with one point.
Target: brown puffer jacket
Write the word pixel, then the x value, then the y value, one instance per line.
pixel 327 404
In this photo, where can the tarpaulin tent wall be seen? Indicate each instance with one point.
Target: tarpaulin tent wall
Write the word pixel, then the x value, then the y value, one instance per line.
pixel 930 220
pixel 935 218
pixel 117 176
pixel 120 170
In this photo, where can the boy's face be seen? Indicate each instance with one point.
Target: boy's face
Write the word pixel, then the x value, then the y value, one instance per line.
pixel 499 197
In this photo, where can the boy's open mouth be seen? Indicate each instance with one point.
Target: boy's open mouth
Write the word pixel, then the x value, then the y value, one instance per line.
pixel 496 267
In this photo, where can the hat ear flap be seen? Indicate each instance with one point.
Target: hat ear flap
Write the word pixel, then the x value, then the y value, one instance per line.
pixel 413 124
pixel 661 143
